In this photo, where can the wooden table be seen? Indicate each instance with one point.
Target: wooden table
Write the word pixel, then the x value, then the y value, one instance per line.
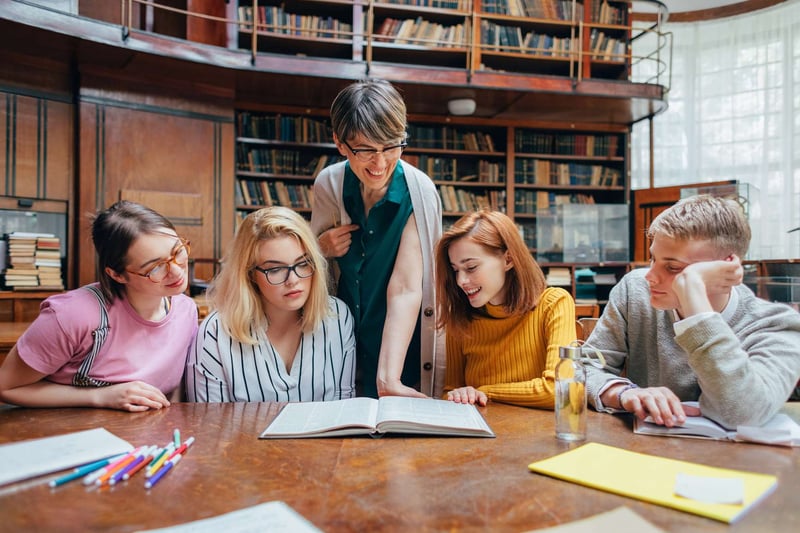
pixel 365 484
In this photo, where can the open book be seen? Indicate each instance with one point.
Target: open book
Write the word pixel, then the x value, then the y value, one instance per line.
pixel 781 430
pixel 368 416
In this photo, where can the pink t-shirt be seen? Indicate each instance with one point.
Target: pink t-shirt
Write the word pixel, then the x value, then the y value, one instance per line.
pixel 135 349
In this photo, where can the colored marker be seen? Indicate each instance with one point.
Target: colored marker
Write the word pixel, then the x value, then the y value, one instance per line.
pixel 118 476
pixel 161 460
pixel 149 455
pixel 158 454
pixel 183 447
pixel 116 468
pixel 176 437
pixel 150 483
pixel 94 476
pixel 84 470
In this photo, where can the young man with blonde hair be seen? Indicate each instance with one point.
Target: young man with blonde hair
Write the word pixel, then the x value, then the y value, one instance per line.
pixel 688 329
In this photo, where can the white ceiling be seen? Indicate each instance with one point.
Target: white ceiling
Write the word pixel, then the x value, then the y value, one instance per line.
pixel 678 6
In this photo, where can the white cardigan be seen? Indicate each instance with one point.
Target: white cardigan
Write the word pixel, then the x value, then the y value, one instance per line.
pixel 427 206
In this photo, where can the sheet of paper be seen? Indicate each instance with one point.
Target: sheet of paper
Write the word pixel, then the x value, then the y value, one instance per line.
pixel 31 458
pixel 619 520
pixel 710 489
pixel 270 516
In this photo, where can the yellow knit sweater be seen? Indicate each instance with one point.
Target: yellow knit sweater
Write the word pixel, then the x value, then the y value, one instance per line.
pixel 513 358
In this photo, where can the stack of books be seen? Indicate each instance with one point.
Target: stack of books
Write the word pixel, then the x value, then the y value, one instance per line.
pixel 34 262
pixel 48 262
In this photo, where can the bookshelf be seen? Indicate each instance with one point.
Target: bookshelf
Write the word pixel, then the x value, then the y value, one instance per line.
pixel 576 38
pixel 467 164
pixel 468 160
pixel 304 27
pixel 277 158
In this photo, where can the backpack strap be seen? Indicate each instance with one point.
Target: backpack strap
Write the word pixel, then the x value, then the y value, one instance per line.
pixel 82 378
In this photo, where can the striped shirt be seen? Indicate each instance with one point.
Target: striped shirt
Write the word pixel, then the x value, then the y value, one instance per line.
pixel 221 369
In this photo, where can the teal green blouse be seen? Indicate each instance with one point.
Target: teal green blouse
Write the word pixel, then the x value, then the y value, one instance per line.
pixel 365 271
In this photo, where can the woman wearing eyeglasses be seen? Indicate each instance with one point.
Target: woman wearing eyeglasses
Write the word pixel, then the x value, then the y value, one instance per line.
pixel 275 333
pixel 120 343
pixel 380 217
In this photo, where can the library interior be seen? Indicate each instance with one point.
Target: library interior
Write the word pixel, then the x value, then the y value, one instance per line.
pixel 581 120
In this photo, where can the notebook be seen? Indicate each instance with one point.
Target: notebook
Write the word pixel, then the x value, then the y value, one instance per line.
pixel 621 472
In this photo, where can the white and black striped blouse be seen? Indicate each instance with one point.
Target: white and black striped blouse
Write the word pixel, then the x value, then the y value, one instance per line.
pixel 221 369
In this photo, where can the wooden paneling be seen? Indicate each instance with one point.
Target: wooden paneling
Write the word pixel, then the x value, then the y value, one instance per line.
pixel 144 144
pixel 37 147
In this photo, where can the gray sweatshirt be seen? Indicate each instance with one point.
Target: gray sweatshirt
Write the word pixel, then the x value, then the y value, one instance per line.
pixel 741 364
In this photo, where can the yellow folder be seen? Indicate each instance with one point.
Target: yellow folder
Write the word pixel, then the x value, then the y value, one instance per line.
pixel 650 478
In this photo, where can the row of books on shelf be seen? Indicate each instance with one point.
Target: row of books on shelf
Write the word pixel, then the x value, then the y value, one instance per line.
pixel 458 5
pixel 449 169
pixel 277 161
pixel 605 13
pixel 275 19
pixel 581 144
pixel 448 138
pixel 34 262
pixel 528 234
pixel 540 9
pixel 511 39
pixel 546 172
pixel 421 32
pixel 456 200
pixel 262 193
pixel 285 128
pixel 529 202
pixel 606 47
pixel 601 12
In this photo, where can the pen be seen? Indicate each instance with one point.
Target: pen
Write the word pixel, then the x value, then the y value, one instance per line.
pixel 176 437
pixel 84 470
pixel 183 447
pixel 161 472
pixel 94 476
pixel 160 461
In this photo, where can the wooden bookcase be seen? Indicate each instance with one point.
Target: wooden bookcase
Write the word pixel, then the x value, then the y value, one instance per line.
pixel 578 38
pixel 280 150
pixel 277 158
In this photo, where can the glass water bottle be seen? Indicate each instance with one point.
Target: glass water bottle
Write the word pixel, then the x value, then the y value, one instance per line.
pixel 570 395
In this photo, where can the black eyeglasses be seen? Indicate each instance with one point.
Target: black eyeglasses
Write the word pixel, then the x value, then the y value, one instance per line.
pixel 158 272
pixel 365 155
pixel 279 275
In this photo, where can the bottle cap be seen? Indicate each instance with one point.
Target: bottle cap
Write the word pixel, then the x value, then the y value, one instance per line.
pixel 570 352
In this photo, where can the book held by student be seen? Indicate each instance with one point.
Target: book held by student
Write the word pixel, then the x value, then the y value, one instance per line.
pixel 368 416
pixel 781 430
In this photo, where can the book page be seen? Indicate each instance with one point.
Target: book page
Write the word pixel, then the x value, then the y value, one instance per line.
pixel 277 515
pixel 31 458
pixel 316 418
pixel 402 414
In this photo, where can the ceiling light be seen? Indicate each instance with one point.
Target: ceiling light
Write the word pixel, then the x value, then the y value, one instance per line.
pixel 461 106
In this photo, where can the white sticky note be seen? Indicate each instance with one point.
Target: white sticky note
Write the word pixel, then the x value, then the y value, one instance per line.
pixel 710 489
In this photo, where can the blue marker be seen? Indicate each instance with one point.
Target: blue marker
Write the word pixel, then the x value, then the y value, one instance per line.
pixel 83 470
